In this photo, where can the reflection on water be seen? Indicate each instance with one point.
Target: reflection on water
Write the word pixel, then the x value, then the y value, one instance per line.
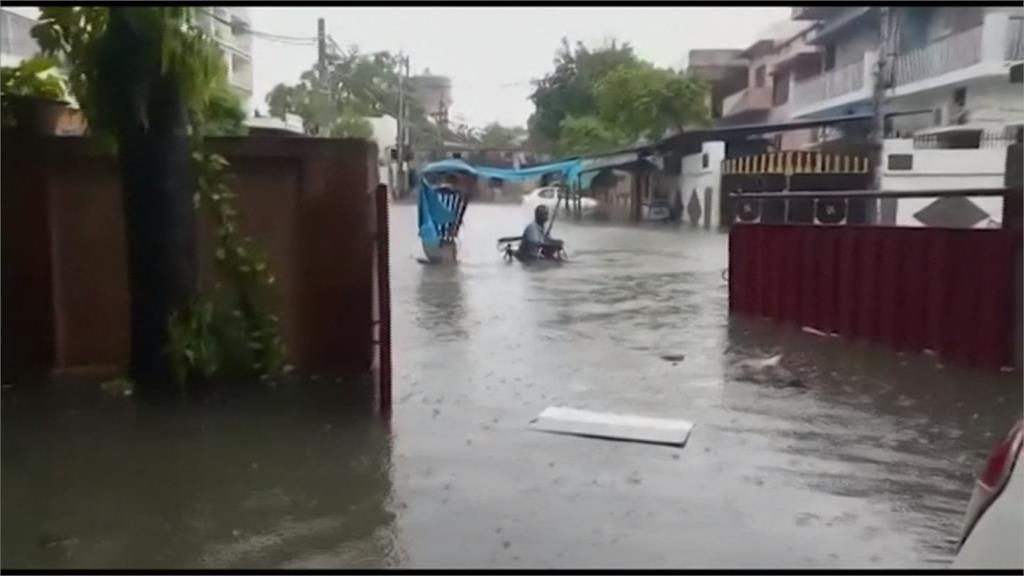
pixel 871 422
pixel 867 463
pixel 442 307
pixel 268 482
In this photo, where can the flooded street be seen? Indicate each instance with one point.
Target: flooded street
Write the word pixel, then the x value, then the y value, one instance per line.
pixel 867 463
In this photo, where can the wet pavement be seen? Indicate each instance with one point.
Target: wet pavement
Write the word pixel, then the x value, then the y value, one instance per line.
pixel 867 462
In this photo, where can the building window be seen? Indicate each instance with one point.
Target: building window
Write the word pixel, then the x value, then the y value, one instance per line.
pixel 759 76
pixel 960 97
pixel 704 160
pixel 830 57
pixel 958 111
pixel 780 89
pixel 901 162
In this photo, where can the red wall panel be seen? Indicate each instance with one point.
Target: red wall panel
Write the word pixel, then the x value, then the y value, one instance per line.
pixel 950 291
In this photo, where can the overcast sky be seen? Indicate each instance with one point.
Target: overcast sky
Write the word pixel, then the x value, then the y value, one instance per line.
pixel 492 53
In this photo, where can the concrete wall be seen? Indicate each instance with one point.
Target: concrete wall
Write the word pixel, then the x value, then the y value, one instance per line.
pixel 995 100
pixel 695 179
pixel 306 201
pixel 958 169
pixel 989 100
pixel 851 46
pixel 615 197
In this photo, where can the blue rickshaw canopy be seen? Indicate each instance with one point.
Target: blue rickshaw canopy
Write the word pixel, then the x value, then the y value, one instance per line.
pixel 434 215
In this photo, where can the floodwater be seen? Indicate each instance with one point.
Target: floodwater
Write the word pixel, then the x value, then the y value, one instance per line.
pixel 867 463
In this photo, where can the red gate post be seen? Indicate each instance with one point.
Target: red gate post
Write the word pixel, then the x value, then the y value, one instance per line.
pixel 383 300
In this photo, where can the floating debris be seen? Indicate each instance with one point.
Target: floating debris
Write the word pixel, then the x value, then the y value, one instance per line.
pixel 673 357
pixel 613 426
pixel 768 371
pixel 816 332
pixel 118 387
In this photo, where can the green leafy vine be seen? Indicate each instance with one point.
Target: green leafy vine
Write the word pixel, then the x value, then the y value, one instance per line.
pixel 225 332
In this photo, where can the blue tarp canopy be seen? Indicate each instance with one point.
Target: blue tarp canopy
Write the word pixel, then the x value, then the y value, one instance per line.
pixel 433 215
pixel 570 169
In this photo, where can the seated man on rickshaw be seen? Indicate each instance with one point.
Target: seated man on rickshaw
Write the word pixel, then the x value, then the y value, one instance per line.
pixel 536 243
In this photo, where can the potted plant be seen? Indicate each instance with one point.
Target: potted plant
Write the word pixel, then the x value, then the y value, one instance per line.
pixel 32 95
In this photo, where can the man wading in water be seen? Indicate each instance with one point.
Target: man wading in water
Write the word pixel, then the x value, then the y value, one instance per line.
pixel 536 243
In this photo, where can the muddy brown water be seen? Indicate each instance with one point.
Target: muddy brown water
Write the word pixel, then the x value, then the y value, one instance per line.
pixel 868 464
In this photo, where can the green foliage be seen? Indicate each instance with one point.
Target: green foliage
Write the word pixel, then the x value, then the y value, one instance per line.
pixel 246 339
pixel 118 387
pixel 589 134
pixel 351 126
pixel 643 101
pixel 194 341
pixel 122 58
pixel 33 77
pixel 596 100
pixel 119 58
pixel 495 135
pixel 226 332
pixel 72 33
pixel 355 86
pixel 570 90
pixel 223 114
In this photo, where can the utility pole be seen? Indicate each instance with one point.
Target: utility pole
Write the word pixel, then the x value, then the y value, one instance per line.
pixel 882 77
pixel 321 50
pixel 403 72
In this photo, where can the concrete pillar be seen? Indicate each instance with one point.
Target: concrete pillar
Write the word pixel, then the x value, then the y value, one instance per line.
pixel 870 69
pixel 713 179
pixel 995 35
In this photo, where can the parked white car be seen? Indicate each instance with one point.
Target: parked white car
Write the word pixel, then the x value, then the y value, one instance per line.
pixel 993 530
pixel 548 196
pixel 656 211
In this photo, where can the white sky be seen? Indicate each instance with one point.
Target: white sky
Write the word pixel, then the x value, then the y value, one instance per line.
pixel 491 53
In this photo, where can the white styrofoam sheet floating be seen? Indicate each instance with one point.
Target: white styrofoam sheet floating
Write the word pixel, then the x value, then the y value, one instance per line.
pixel 622 427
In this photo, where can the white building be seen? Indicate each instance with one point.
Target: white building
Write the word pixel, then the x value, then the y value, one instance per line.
pixel 700 184
pixel 951 106
pixel 16 41
pixel 385 136
pixel 951 65
pixel 230 27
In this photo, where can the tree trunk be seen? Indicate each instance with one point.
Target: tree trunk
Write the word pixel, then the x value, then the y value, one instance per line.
pixel 161 231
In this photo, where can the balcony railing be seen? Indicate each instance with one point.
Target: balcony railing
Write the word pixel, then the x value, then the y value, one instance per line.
pixel 752 98
pixel 949 54
pixel 242 81
pixel 1015 40
pixel 831 84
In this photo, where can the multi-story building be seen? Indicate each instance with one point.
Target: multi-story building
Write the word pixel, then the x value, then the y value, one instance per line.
pixel 230 27
pixel 949 101
pixel 724 69
pixel 780 57
pixel 433 93
pixel 951 64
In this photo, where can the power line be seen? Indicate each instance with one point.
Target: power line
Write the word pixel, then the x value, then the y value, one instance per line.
pixel 247 29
